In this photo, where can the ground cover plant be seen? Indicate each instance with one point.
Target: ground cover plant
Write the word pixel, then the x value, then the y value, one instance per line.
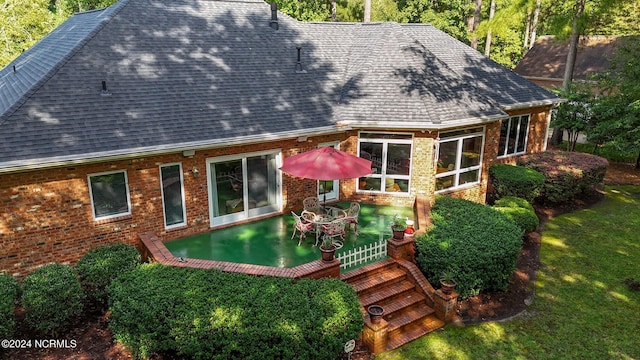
pixel 567 174
pixel 209 314
pixel 583 306
pixel 480 251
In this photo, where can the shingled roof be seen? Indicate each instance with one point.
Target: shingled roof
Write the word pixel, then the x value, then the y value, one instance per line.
pixel 153 76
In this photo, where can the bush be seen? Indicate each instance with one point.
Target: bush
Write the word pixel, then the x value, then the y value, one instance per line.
pixel 100 266
pixel 519 211
pixel 510 180
pixel 208 314
pixel 567 174
pixel 8 297
pixel 51 297
pixel 474 242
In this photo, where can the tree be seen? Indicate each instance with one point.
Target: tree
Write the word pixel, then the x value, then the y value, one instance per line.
pixel 575 115
pixel 617 113
pixel 22 24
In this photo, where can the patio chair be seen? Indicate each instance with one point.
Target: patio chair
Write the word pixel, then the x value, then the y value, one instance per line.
pixel 335 229
pixel 312 204
pixel 352 214
pixel 301 225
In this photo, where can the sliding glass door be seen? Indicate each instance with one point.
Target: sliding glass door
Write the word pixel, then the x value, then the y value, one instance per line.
pixel 243 186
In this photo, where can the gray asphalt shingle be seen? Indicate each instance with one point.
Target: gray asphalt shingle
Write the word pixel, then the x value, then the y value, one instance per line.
pixel 189 73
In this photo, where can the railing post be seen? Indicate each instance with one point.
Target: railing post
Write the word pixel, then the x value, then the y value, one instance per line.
pixel 402 249
pixel 375 336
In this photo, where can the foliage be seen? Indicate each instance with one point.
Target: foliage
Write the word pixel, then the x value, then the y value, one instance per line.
pixel 51 297
pixel 208 314
pixel 587 255
pixel 98 267
pixel 567 174
pixel 511 180
pixel 8 297
pixel 520 211
pixel 617 114
pixel 22 24
pixel 308 10
pixel 474 242
pixel 575 115
pixel 399 223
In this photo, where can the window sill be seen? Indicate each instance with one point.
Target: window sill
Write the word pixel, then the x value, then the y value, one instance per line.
pixel 113 219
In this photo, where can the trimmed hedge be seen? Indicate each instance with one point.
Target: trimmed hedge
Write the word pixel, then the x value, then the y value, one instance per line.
pixel 474 242
pixel 567 174
pixel 209 314
pixel 520 211
pixel 8 297
pixel 51 297
pixel 100 266
pixel 518 181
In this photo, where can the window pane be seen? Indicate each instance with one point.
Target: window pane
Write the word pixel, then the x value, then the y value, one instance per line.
pixel 522 136
pixel 471 149
pixel 373 152
pixel 513 134
pixel 469 177
pixel 445 182
pixel 398 159
pixel 229 187
pixel 447 155
pixel 504 128
pixel 368 183
pixel 261 177
pixel 109 194
pixel 172 195
pixel 396 185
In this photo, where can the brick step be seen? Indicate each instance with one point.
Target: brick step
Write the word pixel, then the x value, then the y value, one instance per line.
pixel 364 271
pixel 414 331
pixel 411 315
pixel 387 293
pixel 378 280
pixel 401 304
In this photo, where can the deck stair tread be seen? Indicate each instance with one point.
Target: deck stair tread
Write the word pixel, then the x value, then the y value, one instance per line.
pixel 366 270
pixel 395 290
pixel 414 331
pixel 377 280
pixel 407 317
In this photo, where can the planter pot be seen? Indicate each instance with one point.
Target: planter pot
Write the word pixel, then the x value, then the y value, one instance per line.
pixel 376 312
pixel 328 254
pixel 447 286
pixel 398 234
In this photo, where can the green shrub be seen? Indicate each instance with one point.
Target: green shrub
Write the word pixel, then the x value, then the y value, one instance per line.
pixel 51 297
pixel 8 297
pixel 511 180
pixel 208 314
pixel 567 174
pixel 474 242
pixel 100 266
pixel 520 211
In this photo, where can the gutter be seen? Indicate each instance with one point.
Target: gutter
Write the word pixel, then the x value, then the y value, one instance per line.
pixel 125 154
pixel 536 103
pixel 421 124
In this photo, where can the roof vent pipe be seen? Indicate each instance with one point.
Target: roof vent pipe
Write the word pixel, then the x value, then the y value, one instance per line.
pixel 299 69
pixel 104 91
pixel 274 16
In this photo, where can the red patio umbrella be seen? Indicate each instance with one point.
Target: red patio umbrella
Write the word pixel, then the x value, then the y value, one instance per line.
pixel 326 163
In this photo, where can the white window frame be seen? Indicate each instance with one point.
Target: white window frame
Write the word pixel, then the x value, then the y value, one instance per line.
pixel 246 213
pixel 164 208
pixel 126 185
pixel 382 174
pixel 457 171
pixel 517 142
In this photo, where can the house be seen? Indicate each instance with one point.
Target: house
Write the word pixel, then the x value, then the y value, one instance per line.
pixel 173 117
pixel 544 64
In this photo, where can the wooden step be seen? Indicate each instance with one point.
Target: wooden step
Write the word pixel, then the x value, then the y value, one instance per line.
pixel 414 331
pixel 384 295
pixel 372 282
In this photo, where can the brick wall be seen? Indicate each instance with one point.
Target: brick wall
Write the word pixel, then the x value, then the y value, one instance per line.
pixel 46 215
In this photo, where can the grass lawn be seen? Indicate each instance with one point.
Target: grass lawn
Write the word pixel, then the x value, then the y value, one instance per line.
pixel 582 308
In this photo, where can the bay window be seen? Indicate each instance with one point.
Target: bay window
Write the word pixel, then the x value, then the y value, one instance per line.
pixel 513 136
pixel 390 156
pixel 459 159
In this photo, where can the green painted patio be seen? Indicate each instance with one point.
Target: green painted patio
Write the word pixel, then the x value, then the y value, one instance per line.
pixel 268 242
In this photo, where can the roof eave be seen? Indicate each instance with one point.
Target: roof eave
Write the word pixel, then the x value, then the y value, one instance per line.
pixel 536 103
pixel 409 125
pixel 124 154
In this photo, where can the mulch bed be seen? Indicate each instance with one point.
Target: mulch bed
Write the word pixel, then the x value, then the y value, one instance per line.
pixel 95 341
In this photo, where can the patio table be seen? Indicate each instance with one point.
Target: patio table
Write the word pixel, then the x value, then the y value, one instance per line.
pixel 318 221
